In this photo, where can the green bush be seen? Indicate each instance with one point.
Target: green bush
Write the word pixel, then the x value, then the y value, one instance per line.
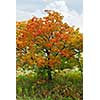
pixel 64 86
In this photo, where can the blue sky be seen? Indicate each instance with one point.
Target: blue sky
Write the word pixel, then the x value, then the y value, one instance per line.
pixel 71 9
pixel 32 5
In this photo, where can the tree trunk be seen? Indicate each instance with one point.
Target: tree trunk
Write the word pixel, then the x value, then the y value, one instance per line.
pixel 49 69
pixel 49 75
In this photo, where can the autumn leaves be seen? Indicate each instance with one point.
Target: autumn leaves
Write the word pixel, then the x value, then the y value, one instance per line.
pixel 38 36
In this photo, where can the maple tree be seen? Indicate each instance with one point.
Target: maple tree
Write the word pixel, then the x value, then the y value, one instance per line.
pixel 48 43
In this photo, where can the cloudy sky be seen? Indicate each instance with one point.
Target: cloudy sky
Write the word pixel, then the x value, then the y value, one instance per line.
pixel 71 9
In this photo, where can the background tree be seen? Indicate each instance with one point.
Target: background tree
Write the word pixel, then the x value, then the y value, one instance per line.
pixel 48 43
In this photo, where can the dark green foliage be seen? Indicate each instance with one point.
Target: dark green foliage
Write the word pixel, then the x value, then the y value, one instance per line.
pixel 64 86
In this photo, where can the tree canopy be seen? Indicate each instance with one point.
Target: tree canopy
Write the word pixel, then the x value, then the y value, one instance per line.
pixel 48 42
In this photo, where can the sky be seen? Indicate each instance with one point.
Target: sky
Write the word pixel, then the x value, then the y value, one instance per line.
pixel 72 10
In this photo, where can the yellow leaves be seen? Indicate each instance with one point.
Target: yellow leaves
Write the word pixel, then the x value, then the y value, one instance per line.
pixel 27 58
pixel 20 44
pixel 18 24
pixel 59 45
pixel 70 30
pixel 53 16
pixel 41 61
pixel 54 49
pixel 21 25
pixel 75 40
pixel 30 62
pixel 54 61
pixel 40 40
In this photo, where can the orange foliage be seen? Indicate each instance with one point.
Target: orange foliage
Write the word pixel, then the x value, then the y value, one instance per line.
pixel 46 39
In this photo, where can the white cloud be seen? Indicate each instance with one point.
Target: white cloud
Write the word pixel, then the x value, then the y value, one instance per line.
pixel 25 15
pixel 47 0
pixel 22 15
pixel 70 16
